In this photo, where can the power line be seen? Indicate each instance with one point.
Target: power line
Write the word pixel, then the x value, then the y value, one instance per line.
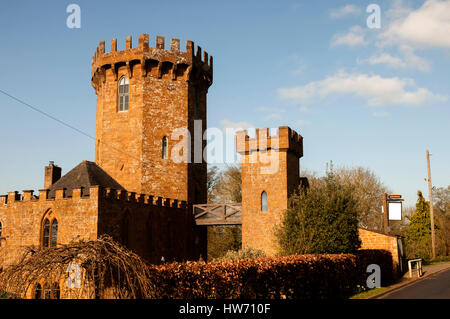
pixel 36 109
pixel 46 114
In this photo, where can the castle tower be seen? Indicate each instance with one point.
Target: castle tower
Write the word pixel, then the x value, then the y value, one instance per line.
pixel 143 95
pixel 270 174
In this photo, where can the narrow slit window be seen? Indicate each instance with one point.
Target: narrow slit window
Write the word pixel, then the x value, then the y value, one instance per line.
pixel 124 87
pixel 164 147
pixel 0 229
pixel 264 202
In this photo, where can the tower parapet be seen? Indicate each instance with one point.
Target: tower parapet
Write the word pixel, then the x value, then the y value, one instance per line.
pixel 286 139
pixel 158 61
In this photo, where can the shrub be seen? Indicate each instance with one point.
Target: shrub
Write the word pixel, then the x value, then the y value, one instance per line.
pixel 325 276
pixel 321 220
pixel 242 254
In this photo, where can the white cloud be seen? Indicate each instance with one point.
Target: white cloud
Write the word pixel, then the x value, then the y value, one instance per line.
pixel 344 11
pixel 235 125
pixel 375 89
pixel 428 26
pixel 409 60
pixel 353 38
pixel 273 117
pixel 385 58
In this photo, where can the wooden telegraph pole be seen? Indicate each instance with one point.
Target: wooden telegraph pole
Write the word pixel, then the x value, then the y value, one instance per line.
pixel 386 214
pixel 430 190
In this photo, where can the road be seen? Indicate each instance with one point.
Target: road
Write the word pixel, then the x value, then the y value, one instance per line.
pixel 436 286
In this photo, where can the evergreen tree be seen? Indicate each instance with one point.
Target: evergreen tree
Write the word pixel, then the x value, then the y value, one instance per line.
pixel 322 219
pixel 418 236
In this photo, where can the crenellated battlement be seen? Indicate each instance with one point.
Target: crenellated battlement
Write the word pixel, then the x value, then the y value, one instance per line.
pixel 94 192
pixel 286 139
pixel 178 65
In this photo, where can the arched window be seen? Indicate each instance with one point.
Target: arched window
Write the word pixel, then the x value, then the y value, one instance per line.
pixel 38 292
pixel 264 202
pixel 46 233
pixel 47 291
pixel 54 233
pixel 124 87
pixel 50 233
pixel 164 147
pixel 55 291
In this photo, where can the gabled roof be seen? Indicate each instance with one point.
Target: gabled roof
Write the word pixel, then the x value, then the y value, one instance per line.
pixel 85 174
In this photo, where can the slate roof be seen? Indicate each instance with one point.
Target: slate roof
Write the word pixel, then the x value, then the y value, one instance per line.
pixel 84 175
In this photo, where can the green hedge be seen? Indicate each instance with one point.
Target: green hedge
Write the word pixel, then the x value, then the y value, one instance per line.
pixel 325 276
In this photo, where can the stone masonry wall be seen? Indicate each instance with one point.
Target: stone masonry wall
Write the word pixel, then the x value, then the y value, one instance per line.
pixel 375 240
pixel 22 218
pixel 167 91
pixel 269 164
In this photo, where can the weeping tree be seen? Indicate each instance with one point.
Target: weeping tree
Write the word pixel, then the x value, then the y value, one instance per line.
pixel 91 269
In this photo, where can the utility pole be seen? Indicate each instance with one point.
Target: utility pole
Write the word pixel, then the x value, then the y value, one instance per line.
pixel 430 189
pixel 385 214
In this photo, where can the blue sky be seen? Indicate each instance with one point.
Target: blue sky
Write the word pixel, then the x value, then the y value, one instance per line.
pixel 376 98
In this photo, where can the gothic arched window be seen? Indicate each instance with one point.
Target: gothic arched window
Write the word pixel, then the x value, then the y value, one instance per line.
pixel 124 88
pixel 50 233
pixel 46 233
pixel 264 202
pixel 38 292
pixel 55 291
pixel 54 233
pixel 47 291
pixel 164 147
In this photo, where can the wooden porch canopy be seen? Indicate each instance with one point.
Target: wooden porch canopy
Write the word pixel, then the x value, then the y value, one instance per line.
pixel 217 214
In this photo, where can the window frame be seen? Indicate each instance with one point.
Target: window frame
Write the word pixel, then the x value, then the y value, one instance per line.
pixel 37 288
pixel 264 202
pixel 165 147
pixel 49 234
pixel 125 106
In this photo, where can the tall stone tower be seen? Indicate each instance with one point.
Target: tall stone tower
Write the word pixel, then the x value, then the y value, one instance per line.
pixel 144 95
pixel 270 174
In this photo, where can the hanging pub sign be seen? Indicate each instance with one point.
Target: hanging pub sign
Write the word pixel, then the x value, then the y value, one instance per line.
pixel 395 206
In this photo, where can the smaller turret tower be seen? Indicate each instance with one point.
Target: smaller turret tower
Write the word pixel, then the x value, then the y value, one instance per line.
pixel 270 174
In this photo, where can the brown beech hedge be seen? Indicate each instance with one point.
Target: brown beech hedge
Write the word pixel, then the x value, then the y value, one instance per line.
pixel 321 276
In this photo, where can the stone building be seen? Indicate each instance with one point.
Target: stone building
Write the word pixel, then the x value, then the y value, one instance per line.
pixel 133 192
pixel 148 100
